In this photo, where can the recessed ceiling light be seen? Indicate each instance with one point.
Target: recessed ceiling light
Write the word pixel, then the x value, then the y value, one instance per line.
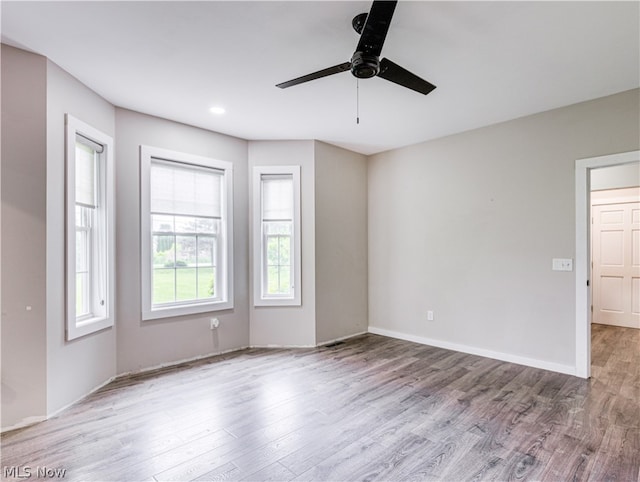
pixel 217 110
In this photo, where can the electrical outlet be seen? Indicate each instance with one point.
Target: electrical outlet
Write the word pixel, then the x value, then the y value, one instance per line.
pixel 214 323
pixel 562 264
pixel 429 315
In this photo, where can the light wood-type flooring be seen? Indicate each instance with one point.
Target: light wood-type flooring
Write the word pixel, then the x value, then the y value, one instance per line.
pixel 371 408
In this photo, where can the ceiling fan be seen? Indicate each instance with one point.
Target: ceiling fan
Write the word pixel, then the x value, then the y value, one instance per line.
pixel 365 61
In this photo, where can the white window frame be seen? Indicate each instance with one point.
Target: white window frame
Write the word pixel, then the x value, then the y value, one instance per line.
pixel 104 217
pixel 259 297
pixel 225 299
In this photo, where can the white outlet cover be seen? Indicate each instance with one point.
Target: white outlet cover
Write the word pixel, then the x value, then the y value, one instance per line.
pixel 562 264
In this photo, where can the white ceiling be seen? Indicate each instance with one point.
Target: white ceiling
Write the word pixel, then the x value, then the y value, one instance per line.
pixel 490 61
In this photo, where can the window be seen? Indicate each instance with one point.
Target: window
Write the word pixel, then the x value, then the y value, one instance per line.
pixel 276 211
pixel 89 225
pixel 186 233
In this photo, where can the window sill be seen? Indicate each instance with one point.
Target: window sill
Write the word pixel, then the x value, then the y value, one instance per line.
pixel 277 302
pixel 192 309
pixel 87 326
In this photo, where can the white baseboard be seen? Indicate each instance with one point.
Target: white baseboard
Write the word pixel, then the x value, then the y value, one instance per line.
pixel 507 357
pixel 24 423
pixel 33 420
pixel 273 345
pixel 176 362
pixel 37 419
pixel 94 389
pixel 322 343
pixel 328 342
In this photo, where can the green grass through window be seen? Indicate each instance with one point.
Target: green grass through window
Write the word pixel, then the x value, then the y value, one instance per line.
pixel 182 284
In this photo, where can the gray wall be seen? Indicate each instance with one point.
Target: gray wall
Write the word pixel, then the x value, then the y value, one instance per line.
pixel 341 242
pixel 77 367
pixel 467 226
pixel 42 372
pixel 23 257
pixel 289 325
pixel 616 177
pixel 334 246
pixel 145 344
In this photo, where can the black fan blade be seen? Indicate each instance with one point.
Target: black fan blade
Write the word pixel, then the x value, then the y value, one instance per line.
pixel 376 27
pixel 336 69
pixel 401 76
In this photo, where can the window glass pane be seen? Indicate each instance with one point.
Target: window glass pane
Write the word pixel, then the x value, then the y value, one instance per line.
pixel 279 280
pixel 207 225
pixel 284 276
pixel 186 284
pixel 272 280
pixel 163 251
pixel 179 255
pixel 78 215
pixel 278 250
pixel 205 251
pixel 83 260
pixel 278 227
pixel 82 216
pixel 206 283
pixel 278 265
pixel 162 223
pixel 186 224
pixel 163 286
pixel 272 251
pixel 82 291
pixel 185 251
pixel 81 251
pixel 284 250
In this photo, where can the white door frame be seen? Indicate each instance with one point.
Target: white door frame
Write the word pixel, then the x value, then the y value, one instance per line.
pixel 583 250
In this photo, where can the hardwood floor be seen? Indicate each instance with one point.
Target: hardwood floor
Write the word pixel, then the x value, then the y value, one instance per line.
pixel 371 408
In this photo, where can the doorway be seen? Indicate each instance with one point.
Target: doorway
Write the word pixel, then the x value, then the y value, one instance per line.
pixel 615 250
pixel 583 251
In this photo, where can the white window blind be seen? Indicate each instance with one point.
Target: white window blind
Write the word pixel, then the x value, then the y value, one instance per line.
pixel 85 171
pixel 277 197
pixel 183 189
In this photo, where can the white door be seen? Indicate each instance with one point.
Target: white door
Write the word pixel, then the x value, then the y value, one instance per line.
pixel 616 257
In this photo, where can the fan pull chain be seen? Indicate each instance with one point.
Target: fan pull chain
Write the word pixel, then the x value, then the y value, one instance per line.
pixel 357 101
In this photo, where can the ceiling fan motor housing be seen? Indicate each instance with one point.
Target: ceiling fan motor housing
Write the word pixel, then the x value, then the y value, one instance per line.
pixel 364 66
